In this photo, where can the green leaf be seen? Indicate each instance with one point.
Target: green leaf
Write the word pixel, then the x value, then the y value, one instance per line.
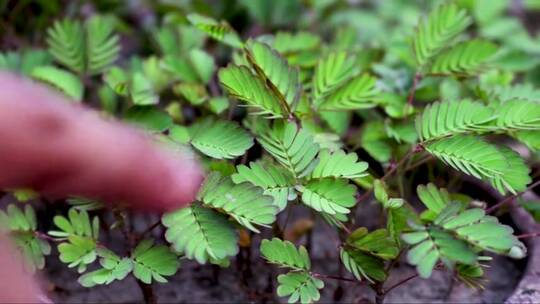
pixel 434 199
pixel 114 268
pixel 466 58
pixel 363 265
pixel 438 30
pixel 292 147
pixel 475 157
pixel 329 195
pixel 375 141
pixel 77 223
pixel 281 78
pixel 245 202
pixel 515 176
pixel 153 262
pixel 65 81
pixel 220 139
pixel 332 72
pixel 148 117
pixel 441 119
pixel 285 254
pixel 141 90
pixel 78 252
pixel 243 85
pixel 518 115
pixel 102 44
pixel 200 233
pixel 529 138
pixel 220 31
pixel 339 164
pixel 273 179
pixel 358 93
pixel 377 243
pixel 66 43
pixel 300 286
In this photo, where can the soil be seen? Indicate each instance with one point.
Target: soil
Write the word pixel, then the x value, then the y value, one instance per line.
pixel 202 284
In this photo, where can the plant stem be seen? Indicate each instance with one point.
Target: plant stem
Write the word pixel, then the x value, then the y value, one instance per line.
pixel 528 235
pixel 416 80
pixel 324 276
pixel 400 283
pixel 148 292
pixel 149 229
pixel 511 198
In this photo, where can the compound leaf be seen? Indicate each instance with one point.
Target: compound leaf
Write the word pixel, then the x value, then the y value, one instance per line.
pixel 466 58
pixel 329 195
pixel 220 139
pixel 300 286
pixel 285 254
pixel 339 164
pixel 358 93
pixel 153 262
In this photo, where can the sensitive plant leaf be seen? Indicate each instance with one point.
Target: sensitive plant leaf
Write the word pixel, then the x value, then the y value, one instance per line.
pixel 518 115
pixel 363 266
pixel 377 243
pixel 433 198
pixel 515 176
pixel 113 268
pixel 275 181
pixel 245 202
pixel 375 141
pixel 76 223
pixel 64 81
pixel 285 254
pixel 200 233
pixel 78 251
pixel 466 58
pixel 292 147
pixel 102 44
pixel 281 78
pixel 220 139
pixel 220 31
pixel 243 85
pixel 287 43
pixel 475 157
pixel 438 30
pixel 299 286
pixel 329 195
pixel 66 43
pixel 358 93
pixel 148 117
pixel 441 119
pixel 332 72
pixel 339 164
pixel 153 262
pixel 529 138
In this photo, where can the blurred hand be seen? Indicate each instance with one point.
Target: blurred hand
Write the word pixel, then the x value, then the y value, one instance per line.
pixel 59 148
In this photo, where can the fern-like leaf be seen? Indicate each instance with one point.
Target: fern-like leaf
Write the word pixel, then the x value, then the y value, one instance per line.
pixel 358 93
pixel 329 195
pixel 153 262
pixel 299 286
pixel 245 202
pixel 363 266
pixel 467 58
pixel 515 177
pixel 519 115
pixel 438 30
pixel 220 139
pixel 220 31
pixel 339 164
pixel 331 72
pixel 285 254
pixel 200 233
pixel 241 84
pixel 275 181
pixel 102 45
pixel 441 119
pixel 66 43
pixel 292 147
pixel 281 78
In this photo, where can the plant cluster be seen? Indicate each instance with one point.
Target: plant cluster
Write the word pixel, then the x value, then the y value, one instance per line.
pixel 290 118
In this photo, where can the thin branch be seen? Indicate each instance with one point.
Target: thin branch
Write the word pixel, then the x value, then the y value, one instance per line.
pixel 149 229
pixel 511 198
pixel 416 80
pixel 324 276
pixel 528 235
pixel 407 279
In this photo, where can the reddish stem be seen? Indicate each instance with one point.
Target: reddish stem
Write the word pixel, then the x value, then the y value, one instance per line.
pixel 511 198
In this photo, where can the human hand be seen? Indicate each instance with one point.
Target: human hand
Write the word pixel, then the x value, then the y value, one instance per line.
pixel 59 148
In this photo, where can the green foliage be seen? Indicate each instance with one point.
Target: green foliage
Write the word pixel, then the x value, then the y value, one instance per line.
pixel 275 181
pixel 456 235
pixel 358 93
pixel 285 254
pixel 463 59
pixel 328 195
pixel 299 287
pixel 200 233
pixel 244 202
pixel 113 269
pixel 339 164
pixel 84 48
pixel 22 227
pixel 220 31
pixel 438 30
pixel 65 81
pixel 294 148
pixel 331 72
pixel 153 262
pixel 220 139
